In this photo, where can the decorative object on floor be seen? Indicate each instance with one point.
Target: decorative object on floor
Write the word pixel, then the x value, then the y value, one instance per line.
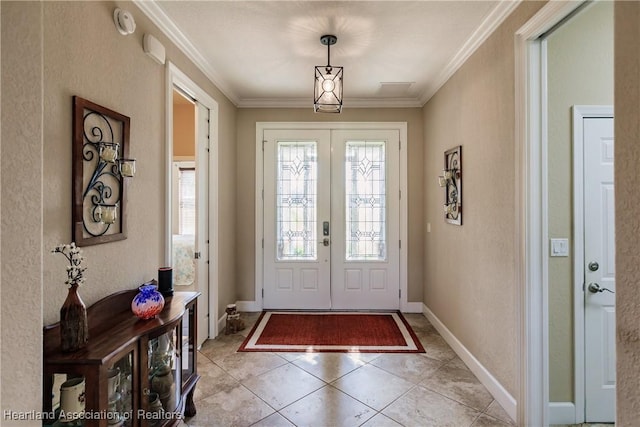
pixel 74 327
pixel 72 397
pixel 100 164
pixel 148 302
pixel 451 180
pixel 317 332
pixel 165 281
pixel 327 89
pixel 234 323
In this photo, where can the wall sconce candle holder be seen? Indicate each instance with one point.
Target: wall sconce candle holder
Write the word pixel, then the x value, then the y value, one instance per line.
pixel 451 181
pixel 127 167
pixel 100 164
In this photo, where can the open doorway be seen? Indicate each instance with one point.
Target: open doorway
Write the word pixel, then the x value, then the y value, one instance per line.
pixel 580 224
pixel 191 211
pixel 183 192
pixel 539 320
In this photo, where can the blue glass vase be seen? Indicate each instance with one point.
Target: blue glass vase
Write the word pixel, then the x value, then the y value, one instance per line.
pixel 148 302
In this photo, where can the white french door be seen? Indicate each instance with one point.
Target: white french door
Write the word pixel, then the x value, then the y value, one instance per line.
pixel 296 205
pixel 331 219
pixel 365 215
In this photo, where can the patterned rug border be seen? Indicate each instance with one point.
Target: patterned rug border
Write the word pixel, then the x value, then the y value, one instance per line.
pixel 416 348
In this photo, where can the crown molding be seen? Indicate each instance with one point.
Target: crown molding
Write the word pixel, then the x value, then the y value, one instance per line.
pixel 155 13
pixel 479 36
pixel 348 103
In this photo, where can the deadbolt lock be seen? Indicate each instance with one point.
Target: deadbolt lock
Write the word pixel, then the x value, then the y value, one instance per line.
pixel 594 266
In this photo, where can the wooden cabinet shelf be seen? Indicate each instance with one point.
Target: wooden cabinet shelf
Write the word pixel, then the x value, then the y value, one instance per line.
pixel 137 373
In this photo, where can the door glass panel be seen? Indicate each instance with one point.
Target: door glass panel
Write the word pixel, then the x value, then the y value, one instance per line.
pixel 365 201
pixel 296 201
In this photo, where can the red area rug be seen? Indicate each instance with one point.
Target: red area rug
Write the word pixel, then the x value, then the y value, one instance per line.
pixel 317 332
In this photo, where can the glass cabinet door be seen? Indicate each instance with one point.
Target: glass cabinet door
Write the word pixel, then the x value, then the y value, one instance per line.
pixel 120 392
pixel 67 400
pixel 188 344
pixel 165 369
pixel 74 400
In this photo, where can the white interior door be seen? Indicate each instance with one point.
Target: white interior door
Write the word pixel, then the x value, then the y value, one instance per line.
pixel 202 220
pixel 365 214
pixel 296 205
pixel 331 219
pixel 599 241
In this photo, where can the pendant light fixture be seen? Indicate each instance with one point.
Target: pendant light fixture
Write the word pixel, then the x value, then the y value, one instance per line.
pixel 327 91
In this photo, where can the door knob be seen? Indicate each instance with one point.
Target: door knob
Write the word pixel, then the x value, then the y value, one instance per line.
pixel 595 288
pixel 325 241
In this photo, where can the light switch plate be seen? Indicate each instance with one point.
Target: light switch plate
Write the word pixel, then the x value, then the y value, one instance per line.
pixel 559 247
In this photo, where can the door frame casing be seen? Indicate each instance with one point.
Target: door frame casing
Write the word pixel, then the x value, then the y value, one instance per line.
pixel 531 195
pixel 176 78
pixel 580 112
pixel 257 304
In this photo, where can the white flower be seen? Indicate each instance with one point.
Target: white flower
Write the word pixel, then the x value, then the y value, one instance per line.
pixel 75 271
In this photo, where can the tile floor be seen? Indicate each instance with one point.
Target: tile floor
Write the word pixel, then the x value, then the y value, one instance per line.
pixel 339 389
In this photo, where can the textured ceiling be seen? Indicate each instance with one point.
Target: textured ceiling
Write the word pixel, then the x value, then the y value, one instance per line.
pixel 261 53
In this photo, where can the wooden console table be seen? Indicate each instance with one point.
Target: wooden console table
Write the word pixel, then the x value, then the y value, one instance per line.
pixel 137 373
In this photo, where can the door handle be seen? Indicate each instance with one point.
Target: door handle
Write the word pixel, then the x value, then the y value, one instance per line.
pixel 326 241
pixel 594 288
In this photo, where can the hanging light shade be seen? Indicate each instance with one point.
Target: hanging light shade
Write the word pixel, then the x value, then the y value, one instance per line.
pixel 327 91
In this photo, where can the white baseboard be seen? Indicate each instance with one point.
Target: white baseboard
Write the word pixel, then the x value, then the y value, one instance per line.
pixel 562 413
pixel 253 306
pixel 222 323
pixel 248 306
pixel 494 387
pixel 411 307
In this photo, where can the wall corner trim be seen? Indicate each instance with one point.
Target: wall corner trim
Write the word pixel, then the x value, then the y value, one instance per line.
pixel 411 307
pixel 562 413
pixel 494 387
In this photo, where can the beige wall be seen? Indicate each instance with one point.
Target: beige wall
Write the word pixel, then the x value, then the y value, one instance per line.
pixel 585 42
pixel 83 55
pixel 245 173
pixel 21 227
pixel 469 269
pixel 482 107
pixel 184 130
pixel 627 181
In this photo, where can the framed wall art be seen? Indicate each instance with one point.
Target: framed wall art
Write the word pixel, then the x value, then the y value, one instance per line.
pixel 451 181
pixel 101 166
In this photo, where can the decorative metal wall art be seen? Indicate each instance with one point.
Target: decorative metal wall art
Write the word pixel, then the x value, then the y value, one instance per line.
pixel 451 180
pixel 100 164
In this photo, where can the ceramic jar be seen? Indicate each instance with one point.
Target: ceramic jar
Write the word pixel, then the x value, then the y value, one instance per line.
pixel 148 302
pixel 72 399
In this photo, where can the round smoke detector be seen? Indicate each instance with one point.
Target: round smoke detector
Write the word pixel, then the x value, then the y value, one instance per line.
pixel 125 24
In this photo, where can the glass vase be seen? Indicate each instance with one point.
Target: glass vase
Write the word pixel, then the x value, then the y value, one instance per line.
pixel 148 302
